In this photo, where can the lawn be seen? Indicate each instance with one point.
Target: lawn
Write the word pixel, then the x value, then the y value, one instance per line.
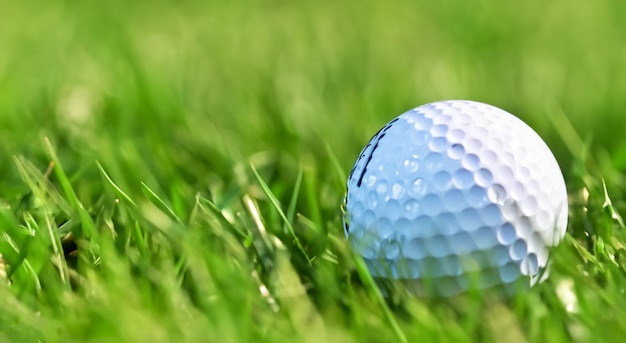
pixel 173 171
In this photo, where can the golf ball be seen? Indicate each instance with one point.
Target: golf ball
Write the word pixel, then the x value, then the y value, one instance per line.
pixel 456 195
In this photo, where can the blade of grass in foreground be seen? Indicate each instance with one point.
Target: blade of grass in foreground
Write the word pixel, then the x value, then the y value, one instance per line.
pixel 39 184
pixel 160 203
pixel 118 191
pixel 179 225
pixel 88 225
pixel 371 284
pixel 276 205
pixel 608 204
pixel 215 211
pixel 291 210
pixel 44 227
pixel 341 175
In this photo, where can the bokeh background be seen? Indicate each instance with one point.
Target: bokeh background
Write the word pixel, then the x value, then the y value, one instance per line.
pixel 218 81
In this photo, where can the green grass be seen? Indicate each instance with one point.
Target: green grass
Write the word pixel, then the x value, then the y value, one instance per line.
pixel 173 172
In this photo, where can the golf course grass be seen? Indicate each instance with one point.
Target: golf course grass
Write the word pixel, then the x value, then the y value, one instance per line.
pixel 173 171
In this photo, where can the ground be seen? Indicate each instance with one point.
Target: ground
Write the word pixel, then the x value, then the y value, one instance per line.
pixel 173 171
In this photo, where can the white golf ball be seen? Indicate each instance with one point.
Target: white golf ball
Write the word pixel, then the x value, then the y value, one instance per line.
pixel 456 195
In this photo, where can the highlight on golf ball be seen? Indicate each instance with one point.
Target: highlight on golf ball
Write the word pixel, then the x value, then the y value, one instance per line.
pixel 456 195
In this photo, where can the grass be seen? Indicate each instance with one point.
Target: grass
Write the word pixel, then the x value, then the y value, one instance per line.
pixel 174 171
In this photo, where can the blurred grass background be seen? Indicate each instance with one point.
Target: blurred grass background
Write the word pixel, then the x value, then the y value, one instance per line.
pixel 253 75
pixel 183 96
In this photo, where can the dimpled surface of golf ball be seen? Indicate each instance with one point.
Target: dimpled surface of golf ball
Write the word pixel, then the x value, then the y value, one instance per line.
pixel 459 193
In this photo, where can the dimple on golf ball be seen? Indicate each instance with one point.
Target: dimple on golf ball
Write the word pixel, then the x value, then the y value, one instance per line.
pixel 456 195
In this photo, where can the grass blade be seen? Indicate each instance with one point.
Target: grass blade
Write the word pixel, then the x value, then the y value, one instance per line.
pixel 291 209
pixel 88 225
pixel 118 191
pixel 276 204
pixel 159 203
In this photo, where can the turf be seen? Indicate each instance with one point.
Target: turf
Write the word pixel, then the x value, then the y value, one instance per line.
pixel 173 171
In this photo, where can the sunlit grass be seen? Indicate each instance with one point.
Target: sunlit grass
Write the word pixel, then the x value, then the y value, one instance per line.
pixel 174 172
